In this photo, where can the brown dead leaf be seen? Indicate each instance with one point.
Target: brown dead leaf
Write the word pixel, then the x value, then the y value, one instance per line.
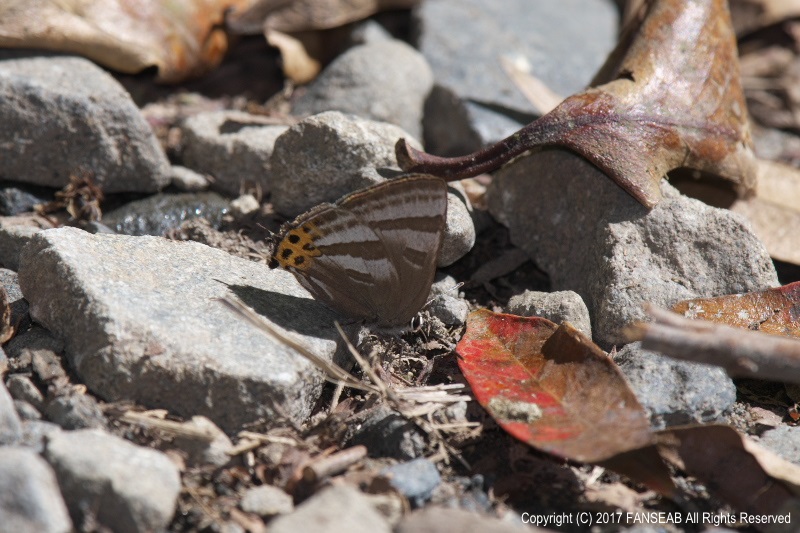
pixel 733 467
pixel 305 15
pixel 774 211
pixel 671 98
pixel 775 311
pixel 182 38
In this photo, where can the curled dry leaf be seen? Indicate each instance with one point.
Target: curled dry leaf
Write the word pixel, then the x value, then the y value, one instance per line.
pixel 774 311
pixel 733 468
pixel 554 389
pixel 182 38
pixel 671 97
pixel 308 33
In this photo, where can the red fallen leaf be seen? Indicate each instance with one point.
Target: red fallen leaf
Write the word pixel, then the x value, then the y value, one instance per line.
pixel 554 389
pixel 183 38
pixel 551 387
pixel 734 468
pixel 671 98
pixel 774 311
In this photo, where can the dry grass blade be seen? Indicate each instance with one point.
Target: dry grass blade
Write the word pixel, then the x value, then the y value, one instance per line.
pixel 741 353
pixel 188 430
pixel 543 98
pixel 414 403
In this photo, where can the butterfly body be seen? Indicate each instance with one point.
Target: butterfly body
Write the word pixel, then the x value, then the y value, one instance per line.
pixel 373 253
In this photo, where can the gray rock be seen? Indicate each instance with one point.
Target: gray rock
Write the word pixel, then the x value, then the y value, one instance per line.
pixel 10 281
pixel 450 310
pixel 386 80
pixel 20 198
pixel 62 114
pixel 335 509
pixel 558 307
pixel 126 487
pixel 232 146
pixel 29 495
pixel 35 434
pixel 676 392
pixel 47 364
pixel 22 388
pixel 328 155
pixel 460 232
pixel 19 306
pixel 331 154
pixel 593 238
pixel 564 42
pixel 26 411
pixel 784 441
pixel 416 480
pixel 201 451
pixel 447 303
pixel 26 344
pixel 15 233
pixel 386 433
pixel 75 411
pixel 368 32
pixel 187 180
pixel 141 322
pixel 10 424
pixel 266 500
pixel 3 362
pixel 159 213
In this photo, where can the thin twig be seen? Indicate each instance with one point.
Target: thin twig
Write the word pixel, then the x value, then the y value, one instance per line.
pixel 742 353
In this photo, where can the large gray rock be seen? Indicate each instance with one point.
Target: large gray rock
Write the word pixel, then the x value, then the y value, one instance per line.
pixel 335 509
pixel 475 102
pixel 141 322
pixel 385 80
pixel 593 238
pixel 676 392
pixel 126 487
pixel 29 496
pixel 328 155
pixel 64 114
pixel 232 146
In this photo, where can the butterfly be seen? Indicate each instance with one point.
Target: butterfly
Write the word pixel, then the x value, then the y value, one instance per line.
pixel 371 255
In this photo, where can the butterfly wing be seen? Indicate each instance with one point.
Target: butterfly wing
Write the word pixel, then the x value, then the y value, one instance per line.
pixel 409 215
pixel 339 259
